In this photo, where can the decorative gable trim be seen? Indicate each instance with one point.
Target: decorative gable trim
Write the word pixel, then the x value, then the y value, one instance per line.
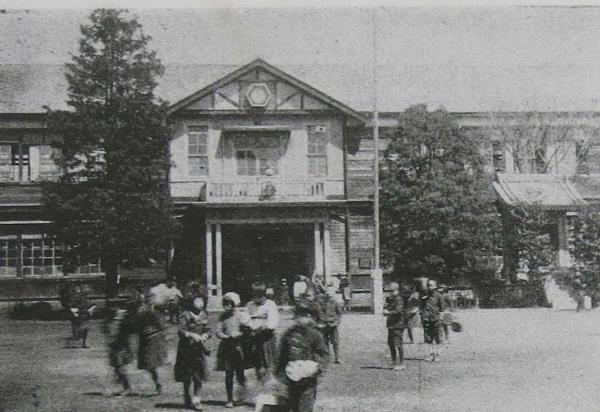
pixel 260 71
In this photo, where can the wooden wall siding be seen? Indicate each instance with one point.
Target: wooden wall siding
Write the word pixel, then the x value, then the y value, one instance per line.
pixel 222 164
pixel 265 215
pixel 337 250
pixel 360 238
pixel 359 164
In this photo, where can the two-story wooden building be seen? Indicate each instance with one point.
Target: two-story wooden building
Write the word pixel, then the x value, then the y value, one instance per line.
pixel 273 180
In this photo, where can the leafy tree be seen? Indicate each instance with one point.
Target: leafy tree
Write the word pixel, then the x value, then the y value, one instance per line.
pixel 437 206
pixel 112 202
pixel 528 241
pixel 586 248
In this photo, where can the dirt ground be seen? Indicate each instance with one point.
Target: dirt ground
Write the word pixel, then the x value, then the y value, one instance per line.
pixel 504 360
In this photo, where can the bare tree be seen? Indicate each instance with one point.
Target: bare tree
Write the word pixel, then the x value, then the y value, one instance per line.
pixel 543 142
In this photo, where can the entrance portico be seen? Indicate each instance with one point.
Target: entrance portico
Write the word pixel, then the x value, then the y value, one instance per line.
pixel 241 250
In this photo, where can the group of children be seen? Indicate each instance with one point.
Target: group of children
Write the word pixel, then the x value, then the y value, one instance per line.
pixel 428 308
pixel 247 339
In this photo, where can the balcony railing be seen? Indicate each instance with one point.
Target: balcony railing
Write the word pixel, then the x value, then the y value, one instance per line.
pixel 273 190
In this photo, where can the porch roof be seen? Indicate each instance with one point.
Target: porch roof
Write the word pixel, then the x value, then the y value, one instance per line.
pixel 544 190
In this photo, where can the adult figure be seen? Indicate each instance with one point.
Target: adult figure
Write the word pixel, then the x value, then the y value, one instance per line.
pixel 330 316
pixel 432 307
pixel 264 318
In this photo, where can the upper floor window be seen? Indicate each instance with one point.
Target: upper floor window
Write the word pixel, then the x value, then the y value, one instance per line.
pixel 246 162
pixel 317 151
pixel 258 153
pixel 198 151
pixel 14 162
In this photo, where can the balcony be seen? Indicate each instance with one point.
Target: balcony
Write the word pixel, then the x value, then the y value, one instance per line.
pixel 260 190
pixel 273 190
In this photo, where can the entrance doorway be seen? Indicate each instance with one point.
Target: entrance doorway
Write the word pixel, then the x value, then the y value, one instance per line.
pixel 265 252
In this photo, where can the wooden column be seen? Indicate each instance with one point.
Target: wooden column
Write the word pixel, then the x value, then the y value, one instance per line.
pixel 218 263
pixel 209 259
pixel 318 250
pixel 326 253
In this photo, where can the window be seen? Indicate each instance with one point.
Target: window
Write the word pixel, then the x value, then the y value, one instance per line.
pixel 317 151
pixel 94 268
pixel 8 256
pixel 40 256
pixel 258 153
pixel 14 162
pixel 198 151
pixel 246 162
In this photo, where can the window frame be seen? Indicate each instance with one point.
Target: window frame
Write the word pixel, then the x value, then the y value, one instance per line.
pixel 200 152
pixel 317 151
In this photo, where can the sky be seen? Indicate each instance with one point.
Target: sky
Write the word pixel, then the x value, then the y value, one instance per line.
pixel 463 58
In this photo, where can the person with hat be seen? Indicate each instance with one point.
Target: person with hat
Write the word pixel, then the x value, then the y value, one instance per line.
pixel 395 323
pixel 190 364
pixel 230 354
pixel 432 307
pixel 264 318
pixel 303 357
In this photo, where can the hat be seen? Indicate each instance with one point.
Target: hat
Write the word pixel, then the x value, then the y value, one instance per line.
pixel 394 286
pixel 232 297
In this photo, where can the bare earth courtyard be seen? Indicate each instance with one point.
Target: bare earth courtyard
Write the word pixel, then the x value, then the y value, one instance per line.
pixel 505 360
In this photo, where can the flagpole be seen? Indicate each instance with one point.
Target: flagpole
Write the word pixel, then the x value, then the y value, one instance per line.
pixel 376 274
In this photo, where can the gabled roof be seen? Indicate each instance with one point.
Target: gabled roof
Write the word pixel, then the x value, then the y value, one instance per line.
pixel 259 63
pixel 543 190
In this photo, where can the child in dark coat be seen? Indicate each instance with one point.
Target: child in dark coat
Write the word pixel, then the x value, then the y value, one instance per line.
pixel 190 364
pixel 231 356
pixel 152 350
pixel 303 357
pixel 396 317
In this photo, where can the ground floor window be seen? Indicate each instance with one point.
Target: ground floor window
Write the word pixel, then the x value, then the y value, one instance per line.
pixel 36 255
pixel 8 256
pixel 40 256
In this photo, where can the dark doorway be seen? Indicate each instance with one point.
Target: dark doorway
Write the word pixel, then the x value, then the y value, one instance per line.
pixel 266 252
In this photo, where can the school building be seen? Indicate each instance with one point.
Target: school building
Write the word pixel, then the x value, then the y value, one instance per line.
pixel 270 176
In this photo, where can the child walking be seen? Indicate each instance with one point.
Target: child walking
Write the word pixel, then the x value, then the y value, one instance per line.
pixel 432 306
pixel 230 354
pixel 395 312
pixel 303 357
pixel 190 364
pixel 152 349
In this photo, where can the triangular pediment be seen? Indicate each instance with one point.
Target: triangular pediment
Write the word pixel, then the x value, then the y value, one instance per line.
pixel 258 85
